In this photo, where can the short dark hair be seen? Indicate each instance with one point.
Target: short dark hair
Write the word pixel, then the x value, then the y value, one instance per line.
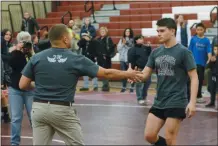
pixel 216 45
pixel 167 22
pixel 57 31
pixel 200 25
pixel 138 37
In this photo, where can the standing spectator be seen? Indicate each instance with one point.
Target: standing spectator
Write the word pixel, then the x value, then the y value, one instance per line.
pixel 87 47
pixel 183 34
pixel 138 57
pixel 105 53
pixel 17 97
pixel 6 38
pixel 87 27
pixel 215 41
pixel 201 49
pixel 213 65
pixel 29 24
pixel 4 97
pixel 125 43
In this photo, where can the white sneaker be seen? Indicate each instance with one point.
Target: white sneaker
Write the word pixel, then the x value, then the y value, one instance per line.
pixel 141 102
pixel 206 94
pixel 201 100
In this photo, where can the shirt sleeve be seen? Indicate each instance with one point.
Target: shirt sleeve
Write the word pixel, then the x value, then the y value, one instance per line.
pixel 188 60
pixel 86 67
pixel 151 61
pixel 28 70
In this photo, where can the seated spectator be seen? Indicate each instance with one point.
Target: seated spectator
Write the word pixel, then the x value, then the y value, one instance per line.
pixel 88 27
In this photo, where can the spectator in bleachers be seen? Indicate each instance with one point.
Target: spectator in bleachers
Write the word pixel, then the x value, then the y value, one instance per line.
pixel 70 24
pixel 213 65
pixel 44 42
pixel 76 29
pixel 201 49
pixel 35 41
pixel 20 54
pixel 105 53
pixel 88 47
pixel 6 38
pixel 183 34
pixel 29 24
pixel 88 27
pixel 4 97
pixel 125 43
pixel 138 57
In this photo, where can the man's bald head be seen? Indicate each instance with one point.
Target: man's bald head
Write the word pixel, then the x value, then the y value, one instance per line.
pixel 59 35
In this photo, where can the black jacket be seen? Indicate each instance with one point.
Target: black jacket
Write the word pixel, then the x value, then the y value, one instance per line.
pixel 4 50
pixel 17 63
pixel 105 52
pixel 214 67
pixel 31 23
pixel 138 56
pixel 89 48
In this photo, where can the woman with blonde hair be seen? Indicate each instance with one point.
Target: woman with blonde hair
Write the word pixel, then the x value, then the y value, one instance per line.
pixel 105 53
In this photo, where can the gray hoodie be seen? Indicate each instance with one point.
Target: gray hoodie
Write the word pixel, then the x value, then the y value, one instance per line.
pixel 123 48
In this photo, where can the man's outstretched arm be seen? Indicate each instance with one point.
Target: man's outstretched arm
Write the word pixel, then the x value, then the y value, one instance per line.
pixel 117 74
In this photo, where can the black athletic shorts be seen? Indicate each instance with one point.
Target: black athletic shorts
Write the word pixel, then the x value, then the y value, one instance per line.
pixel 178 113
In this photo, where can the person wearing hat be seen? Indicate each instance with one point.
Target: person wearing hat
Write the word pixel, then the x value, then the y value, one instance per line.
pixel 138 57
pixel 88 47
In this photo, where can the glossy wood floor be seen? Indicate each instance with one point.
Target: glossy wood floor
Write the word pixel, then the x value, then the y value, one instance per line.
pixel 116 119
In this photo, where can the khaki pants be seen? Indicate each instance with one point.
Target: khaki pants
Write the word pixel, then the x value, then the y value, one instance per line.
pixel 49 118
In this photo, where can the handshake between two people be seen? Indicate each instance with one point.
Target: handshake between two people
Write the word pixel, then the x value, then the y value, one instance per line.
pixel 137 76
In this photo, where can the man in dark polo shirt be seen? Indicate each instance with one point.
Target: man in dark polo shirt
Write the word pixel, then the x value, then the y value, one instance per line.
pixel 173 64
pixel 56 72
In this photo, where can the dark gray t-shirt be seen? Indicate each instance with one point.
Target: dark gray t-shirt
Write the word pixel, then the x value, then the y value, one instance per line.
pixel 56 72
pixel 172 66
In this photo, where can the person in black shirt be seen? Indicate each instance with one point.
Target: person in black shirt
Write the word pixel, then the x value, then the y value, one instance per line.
pixel 138 57
pixel 19 56
pixel 56 72
pixel 29 24
pixel 105 53
pixel 213 65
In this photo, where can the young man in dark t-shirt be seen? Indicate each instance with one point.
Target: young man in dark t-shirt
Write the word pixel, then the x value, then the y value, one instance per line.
pixel 56 72
pixel 173 64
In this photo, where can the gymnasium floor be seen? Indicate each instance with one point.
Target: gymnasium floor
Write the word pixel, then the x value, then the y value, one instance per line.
pixel 116 119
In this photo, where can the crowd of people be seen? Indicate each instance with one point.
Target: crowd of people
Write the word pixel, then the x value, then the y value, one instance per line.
pixel 133 51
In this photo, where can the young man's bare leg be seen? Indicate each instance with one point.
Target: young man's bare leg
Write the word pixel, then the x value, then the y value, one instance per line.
pixel 152 128
pixel 172 126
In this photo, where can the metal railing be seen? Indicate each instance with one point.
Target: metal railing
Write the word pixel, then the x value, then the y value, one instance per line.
pixel 9 9
pixel 62 18
pixel 211 14
pixel 92 8
pixel 10 17
pixel 114 8
pixel 193 25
